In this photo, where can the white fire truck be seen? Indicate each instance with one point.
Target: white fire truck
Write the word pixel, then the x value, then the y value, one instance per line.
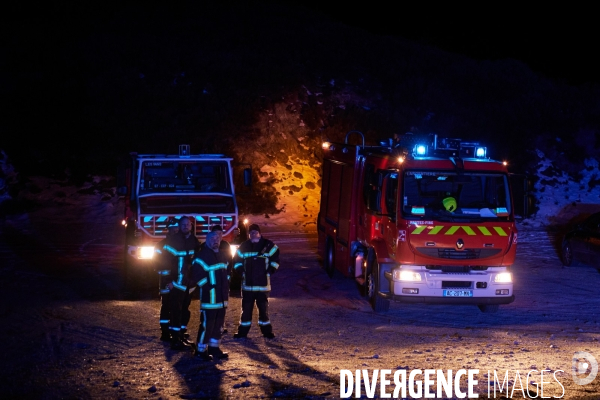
pixel 160 187
pixel 425 220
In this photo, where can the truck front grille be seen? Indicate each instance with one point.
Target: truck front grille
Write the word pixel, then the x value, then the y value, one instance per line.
pixel 156 225
pixel 465 269
pixel 453 254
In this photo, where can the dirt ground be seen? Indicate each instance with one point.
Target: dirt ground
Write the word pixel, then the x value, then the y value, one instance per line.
pixel 70 333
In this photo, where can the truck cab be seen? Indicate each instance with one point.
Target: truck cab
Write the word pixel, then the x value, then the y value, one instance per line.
pixel 160 187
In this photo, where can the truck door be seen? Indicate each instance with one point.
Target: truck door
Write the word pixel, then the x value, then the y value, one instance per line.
pixel 372 190
pixel 389 207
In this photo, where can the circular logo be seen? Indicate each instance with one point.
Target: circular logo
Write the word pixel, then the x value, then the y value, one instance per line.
pixel 584 363
pixel 460 244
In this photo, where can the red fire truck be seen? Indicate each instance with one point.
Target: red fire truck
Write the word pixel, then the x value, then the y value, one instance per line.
pixel 159 187
pixel 424 220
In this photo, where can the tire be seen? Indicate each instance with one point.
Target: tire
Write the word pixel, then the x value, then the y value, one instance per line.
pixel 132 278
pixel 362 287
pixel 489 308
pixel 566 256
pixel 329 262
pixel 378 303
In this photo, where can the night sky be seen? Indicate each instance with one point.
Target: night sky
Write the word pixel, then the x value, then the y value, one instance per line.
pixel 558 43
pixel 42 44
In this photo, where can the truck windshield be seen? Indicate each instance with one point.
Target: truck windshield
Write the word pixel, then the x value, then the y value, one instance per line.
pixel 448 195
pixel 185 176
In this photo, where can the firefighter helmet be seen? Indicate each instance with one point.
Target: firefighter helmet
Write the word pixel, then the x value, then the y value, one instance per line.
pixel 449 204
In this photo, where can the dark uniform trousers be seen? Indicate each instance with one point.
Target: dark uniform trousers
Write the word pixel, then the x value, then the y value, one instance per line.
pixel 185 310
pixel 249 298
pixel 209 331
pixel 176 301
pixel 165 313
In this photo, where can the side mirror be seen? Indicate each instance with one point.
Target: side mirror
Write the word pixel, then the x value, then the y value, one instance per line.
pixel 248 177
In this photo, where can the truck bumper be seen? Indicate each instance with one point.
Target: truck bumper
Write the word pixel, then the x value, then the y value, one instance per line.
pixel 437 288
pixel 448 300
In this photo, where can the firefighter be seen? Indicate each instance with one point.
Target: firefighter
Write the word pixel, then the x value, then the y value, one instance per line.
pixel 224 247
pixel 164 275
pixel 257 258
pixel 209 273
pixel 178 253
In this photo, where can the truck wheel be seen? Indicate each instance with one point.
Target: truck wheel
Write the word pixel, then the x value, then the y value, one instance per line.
pixel 131 278
pixel 489 308
pixel 378 303
pixel 566 255
pixel 329 263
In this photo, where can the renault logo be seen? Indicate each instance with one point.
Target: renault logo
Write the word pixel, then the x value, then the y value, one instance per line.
pixel 460 244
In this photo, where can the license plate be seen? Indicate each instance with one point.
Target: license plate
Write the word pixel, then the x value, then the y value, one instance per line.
pixel 458 293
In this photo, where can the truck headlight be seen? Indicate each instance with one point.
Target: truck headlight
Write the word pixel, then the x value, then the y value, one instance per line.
pixel 234 248
pixel 503 277
pixel 406 275
pixel 146 252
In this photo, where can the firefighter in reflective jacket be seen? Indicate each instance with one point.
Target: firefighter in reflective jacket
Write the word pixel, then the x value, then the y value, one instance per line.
pixel 164 278
pixel 209 272
pixel 257 259
pixel 178 252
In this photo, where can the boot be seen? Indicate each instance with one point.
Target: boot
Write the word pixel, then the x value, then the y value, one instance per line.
pixel 267 331
pixel 184 333
pixel 216 352
pixel 203 356
pixel 165 335
pixel 242 332
pixel 185 338
pixel 177 342
pixel 201 353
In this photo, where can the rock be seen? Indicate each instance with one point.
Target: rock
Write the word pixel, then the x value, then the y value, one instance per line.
pixel 152 389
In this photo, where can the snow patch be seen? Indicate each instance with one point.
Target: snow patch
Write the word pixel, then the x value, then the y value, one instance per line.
pixel 559 197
